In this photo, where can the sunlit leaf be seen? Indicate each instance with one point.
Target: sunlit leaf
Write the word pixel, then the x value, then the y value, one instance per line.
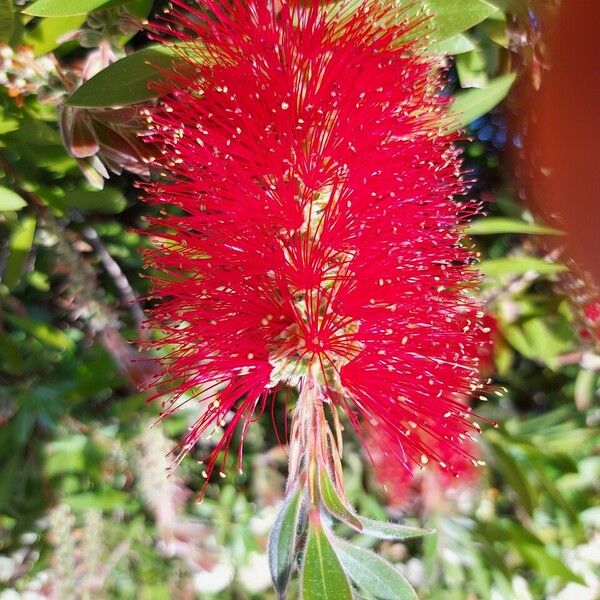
pixel 45 333
pixel 19 246
pixel 10 200
pixel 322 575
pixel 68 8
pixel 372 573
pixel 472 104
pixel 46 34
pixel 498 225
pixel 519 265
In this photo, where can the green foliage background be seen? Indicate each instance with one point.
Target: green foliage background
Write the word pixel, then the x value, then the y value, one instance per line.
pixel 86 507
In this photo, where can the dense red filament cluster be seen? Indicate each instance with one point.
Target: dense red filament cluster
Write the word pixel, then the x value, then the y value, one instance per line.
pixel 312 231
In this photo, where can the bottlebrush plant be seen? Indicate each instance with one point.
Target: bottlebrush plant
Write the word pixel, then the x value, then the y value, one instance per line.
pixel 313 253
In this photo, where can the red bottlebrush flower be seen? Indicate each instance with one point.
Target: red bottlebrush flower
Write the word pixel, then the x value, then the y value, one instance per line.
pixel 426 481
pixel 315 242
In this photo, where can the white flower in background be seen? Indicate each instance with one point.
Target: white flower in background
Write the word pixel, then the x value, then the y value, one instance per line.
pixel 255 575
pixel 214 580
pixel 585 561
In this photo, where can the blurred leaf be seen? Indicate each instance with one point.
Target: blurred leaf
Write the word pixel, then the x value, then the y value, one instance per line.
pixel 547 564
pixel 103 500
pixel 372 573
pixel 547 337
pixel 472 104
pixel 19 245
pixel 552 490
pixel 42 331
pixel 471 69
pixel 496 30
pixel 140 8
pixel 456 44
pixel 8 475
pixel 66 455
pixel 451 17
pixel 127 80
pixel 498 225
pixel 282 542
pixel 322 575
pixel 10 353
pixel 68 8
pixel 10 200
pixel 518 265
pixel 39 143
pixel 512 472
pixel 45 36
pixel 7 19
pixel 108 200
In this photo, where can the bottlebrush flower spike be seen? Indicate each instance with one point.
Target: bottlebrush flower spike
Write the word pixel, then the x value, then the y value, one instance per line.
pixel 314 243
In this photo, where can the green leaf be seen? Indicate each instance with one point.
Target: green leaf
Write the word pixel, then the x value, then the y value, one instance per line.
pixel 103 500
pixel 472 104
pixel 67 8
pixel 19 246
pixel 282 542
pixel 545 563
pixel 126 81
pixel 7 19
pixel 322 575
pixel 390 531
pixel 457 44
pixel 451 17
pixel 10 200
pixel 334 504
pixel 45 36
pixel 497 225
pixel 372 573
pixel 513 473
pixel 471 69
pixel 108 200
pixel 519 265
pixel 140 8
pixel 42 331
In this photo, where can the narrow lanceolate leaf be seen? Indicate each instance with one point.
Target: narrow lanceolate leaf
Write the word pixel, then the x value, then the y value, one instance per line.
pixel 334 504
pixel 519 265
pixel 390 531
pixel 451 17
pixel 7 17
pixel 457 44
pixel 322 575
pixel 9 200
pixel 372 573
pixel 19 246
pixel 46 35
pixel 67 8
pixel 496 225
pixel 282 542
pixel 130 79
pixel 472 104
pixel 45 333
